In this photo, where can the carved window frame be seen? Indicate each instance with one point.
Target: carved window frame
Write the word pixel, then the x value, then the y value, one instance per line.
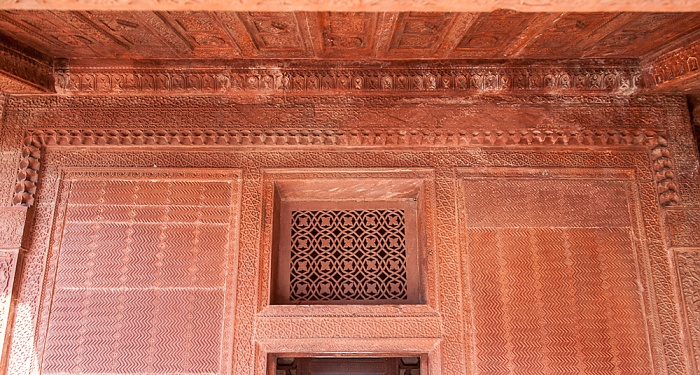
pixel 286 189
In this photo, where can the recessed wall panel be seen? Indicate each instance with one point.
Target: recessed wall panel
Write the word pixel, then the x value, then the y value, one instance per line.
pixel 553 277
pixel 141 275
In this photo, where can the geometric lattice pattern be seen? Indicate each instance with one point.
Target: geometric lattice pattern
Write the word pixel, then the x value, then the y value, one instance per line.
pixel 348 255
pixel 140 279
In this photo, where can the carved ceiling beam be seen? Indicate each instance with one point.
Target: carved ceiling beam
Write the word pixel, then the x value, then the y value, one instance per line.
pixel 618 77
pixel 677 70
pixel 23 70
pixel 365 5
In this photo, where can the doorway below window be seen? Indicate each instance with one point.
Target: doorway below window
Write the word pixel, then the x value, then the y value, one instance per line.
pixel 348 366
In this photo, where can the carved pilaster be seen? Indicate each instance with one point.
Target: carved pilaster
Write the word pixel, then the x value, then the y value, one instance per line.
pixel 688 268
pixel 8 267
pixel 12 220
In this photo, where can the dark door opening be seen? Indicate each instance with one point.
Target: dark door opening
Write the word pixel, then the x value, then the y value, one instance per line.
pixel 348 366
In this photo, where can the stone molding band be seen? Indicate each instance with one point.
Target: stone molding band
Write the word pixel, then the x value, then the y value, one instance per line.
pixel 619 80
pixel 674 66
pixel 612 79
pixel 24 74
pixel 35 141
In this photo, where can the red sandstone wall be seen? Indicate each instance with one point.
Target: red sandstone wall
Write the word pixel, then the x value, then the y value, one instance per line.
pixel 562 235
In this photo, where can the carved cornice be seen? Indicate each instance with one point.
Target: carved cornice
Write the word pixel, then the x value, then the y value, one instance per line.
pixel 419 78
pixel 22 73
pixel 36 140
pixel 10 84
pixel 674 67
pixel 364 5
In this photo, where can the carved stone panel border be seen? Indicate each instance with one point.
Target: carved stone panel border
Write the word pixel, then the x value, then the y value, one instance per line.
pixel 683 227
pixel 12 222
pixel 8 269
pixel 453 348
pixel 654 141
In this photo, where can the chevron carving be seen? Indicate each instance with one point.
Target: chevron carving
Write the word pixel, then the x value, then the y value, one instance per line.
pixel 553 293
pixel 140 281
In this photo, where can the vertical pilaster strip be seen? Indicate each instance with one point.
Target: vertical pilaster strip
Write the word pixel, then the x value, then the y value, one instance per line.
pixel 688 269
pixel 12 221
pixel 8 266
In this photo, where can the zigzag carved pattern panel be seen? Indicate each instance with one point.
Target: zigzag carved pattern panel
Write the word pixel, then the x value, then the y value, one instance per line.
pixel 556 202
pixel 553 299
pixel 140 281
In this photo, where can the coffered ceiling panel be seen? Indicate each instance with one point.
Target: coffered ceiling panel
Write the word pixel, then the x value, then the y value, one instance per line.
pixel 501 34
pixel 567 35
pixel 274 34
pixel 143 34
pixel 641 33
pixel 338 35
pixel 492 34
pixel 418 34
pixel 203 33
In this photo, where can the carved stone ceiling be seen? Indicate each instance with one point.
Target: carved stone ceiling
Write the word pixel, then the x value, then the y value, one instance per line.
pixel 39 49
pixel 348 36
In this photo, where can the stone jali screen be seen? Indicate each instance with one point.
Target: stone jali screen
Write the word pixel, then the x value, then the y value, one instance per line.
pixel 348 255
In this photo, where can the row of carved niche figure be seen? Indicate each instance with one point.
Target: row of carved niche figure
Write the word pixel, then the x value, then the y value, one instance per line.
pixel 220 82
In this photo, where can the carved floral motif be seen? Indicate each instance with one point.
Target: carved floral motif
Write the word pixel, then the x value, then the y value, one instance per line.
pixel 12 223
pixel 684 227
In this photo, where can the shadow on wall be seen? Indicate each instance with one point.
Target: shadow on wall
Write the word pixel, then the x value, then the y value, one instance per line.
pixel 694 109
